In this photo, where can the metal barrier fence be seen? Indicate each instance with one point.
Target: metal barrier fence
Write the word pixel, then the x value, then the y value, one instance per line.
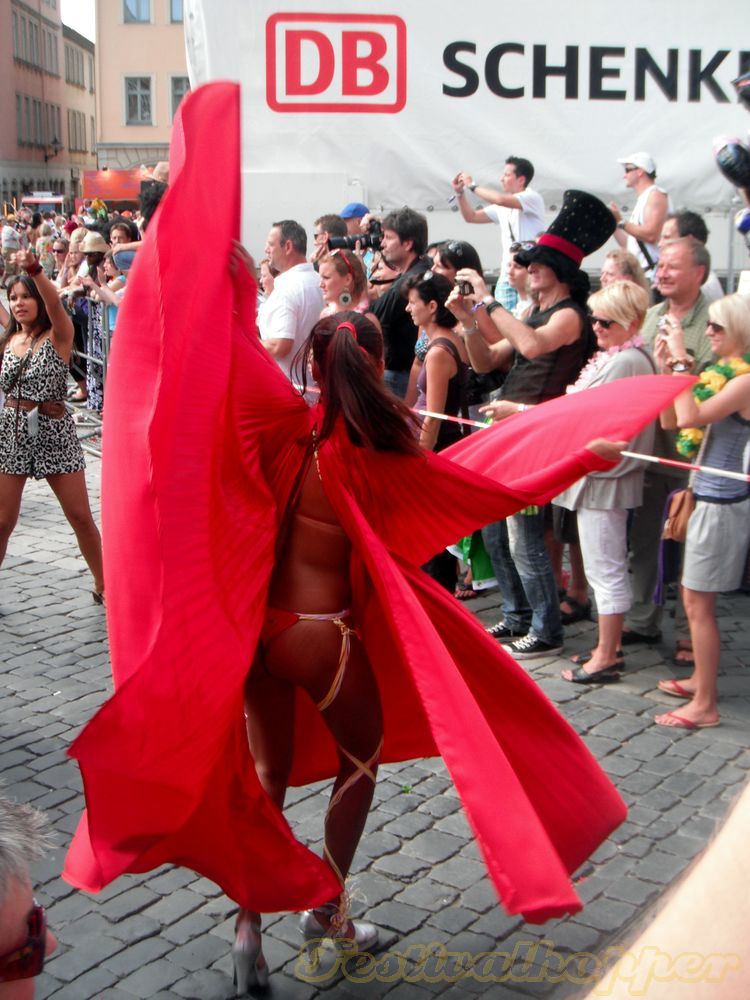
pixel 88 418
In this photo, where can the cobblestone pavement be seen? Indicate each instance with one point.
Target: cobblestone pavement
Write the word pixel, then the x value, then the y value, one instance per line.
pixel 168 934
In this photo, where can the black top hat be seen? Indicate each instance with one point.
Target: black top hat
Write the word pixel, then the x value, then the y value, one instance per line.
pixel 583 224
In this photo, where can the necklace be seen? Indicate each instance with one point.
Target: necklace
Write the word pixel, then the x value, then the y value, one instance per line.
pixel 710 381
pixel 599 361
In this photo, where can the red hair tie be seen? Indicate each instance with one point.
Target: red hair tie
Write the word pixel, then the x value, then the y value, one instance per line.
pixel 347 326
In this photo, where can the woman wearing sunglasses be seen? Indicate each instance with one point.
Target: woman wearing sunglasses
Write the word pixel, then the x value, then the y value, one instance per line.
pixel 719 528
pixel 603 499
pixel 25 940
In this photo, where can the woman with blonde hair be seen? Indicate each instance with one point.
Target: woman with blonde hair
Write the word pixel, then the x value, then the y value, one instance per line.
pixel 603 499
pixel 619 265
pixel 719 528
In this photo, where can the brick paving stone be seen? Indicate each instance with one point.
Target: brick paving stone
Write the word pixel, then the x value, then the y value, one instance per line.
pixel 458 873
pixel 639 782
pixel 379 843
pixel 453 919
pixel 432 846
pixel 124 904
pixel 427 894
pixel 138 954
pixel 480 897
pixel 660 867
pixel 87 953
pixel 398 916
pixel 199 953
pixel 440 806
pixel 631 890
pixel 173 907
pixel 408 825
pixel 150 979
pixel 607 914
pixel 618 766
pixel 190 927
pixel 401 866
pixel 206 984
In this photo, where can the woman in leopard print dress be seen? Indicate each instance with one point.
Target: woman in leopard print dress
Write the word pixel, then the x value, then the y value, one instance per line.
pixel 37 434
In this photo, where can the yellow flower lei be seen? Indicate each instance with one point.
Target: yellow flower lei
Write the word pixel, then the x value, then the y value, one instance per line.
pixel 710 381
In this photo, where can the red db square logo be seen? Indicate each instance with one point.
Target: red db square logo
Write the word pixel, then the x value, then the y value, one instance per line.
pixel 336 62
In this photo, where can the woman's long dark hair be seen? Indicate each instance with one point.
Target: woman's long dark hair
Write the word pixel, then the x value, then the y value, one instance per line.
pixel 433 287
pixel 43 322
pixel 352 386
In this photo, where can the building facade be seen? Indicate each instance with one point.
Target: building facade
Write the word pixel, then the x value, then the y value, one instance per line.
pixel 38 151
pixel 79 126
pixel 141 79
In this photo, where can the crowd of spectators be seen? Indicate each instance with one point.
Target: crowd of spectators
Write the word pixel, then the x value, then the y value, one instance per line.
pixel 456 349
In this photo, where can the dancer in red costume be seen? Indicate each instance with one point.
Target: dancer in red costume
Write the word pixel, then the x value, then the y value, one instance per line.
pixel 195 497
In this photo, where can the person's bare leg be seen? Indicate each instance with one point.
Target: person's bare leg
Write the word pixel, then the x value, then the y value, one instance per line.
pixel 11 491
pixel 70 490
pixel 702 709
pixel 578 586
pixel 307 655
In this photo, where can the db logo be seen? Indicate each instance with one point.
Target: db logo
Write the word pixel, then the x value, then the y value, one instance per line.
pixel 336 62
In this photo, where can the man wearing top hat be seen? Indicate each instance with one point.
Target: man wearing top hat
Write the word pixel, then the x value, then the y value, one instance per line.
pixel 640 233
pixel 549 349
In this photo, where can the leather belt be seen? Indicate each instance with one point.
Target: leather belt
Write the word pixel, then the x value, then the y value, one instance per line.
pixel 54 408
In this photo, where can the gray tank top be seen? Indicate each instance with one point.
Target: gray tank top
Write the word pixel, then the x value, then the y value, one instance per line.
pixel 728 448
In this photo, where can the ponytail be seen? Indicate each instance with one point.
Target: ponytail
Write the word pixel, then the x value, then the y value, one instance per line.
pixel 348 351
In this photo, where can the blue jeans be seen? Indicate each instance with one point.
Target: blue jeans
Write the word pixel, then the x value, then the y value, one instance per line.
pixel 524 574
pixel 397 382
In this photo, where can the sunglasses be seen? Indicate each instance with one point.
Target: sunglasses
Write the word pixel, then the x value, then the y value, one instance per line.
pixel 526 246
pixel 28 960
pixel 605 324
pixel 629 168
pixel 59 250
pixel 716 327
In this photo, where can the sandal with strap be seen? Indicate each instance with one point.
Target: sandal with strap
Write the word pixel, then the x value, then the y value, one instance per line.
pixel 332 924
pixel 609 675
pixel 580 611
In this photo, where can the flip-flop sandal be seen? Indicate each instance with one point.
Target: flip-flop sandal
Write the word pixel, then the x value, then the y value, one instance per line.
pixel 674 721
pixel 610 675
pixel 466 593
pixel 675 689
pixel 580 612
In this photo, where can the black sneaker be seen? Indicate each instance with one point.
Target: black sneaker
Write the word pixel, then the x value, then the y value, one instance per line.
pixel 530 647
pixel 503 633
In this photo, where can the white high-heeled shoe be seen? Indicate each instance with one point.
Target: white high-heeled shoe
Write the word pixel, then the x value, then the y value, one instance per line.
pixel 344 933
pixel 250 968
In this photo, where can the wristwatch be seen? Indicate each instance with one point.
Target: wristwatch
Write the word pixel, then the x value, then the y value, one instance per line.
pixel 472 188
pixel 621 224
pixel 681 367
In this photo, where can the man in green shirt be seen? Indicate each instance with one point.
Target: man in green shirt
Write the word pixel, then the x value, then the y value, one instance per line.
pixel 683 267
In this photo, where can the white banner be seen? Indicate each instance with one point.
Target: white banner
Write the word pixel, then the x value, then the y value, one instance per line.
pixel 385 102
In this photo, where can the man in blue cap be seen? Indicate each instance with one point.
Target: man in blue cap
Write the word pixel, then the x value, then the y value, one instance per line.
pixel 352 214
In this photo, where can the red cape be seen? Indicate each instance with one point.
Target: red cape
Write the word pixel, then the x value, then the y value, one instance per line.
pixel 193 486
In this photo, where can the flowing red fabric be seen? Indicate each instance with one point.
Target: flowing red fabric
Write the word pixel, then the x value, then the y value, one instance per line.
pixel 193 485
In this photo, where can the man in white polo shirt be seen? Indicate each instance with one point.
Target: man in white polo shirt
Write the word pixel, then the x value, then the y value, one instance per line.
pixel 519 211
pixel 295 304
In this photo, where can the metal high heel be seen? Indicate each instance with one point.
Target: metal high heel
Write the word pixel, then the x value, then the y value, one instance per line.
pixel 342 932
pixel 250 968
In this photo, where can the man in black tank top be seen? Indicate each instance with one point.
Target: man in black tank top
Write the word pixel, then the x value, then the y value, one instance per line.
pixel 550 348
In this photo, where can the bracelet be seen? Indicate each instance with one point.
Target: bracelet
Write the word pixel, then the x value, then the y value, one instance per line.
pixel 34 270
pixel 478 305
pixel 472 188
pixel 493 306
pixel 522 407
pixel 683 364
pixel 621 224
pixel 469 330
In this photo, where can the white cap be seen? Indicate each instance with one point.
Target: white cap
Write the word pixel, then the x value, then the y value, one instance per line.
pixel 642 160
